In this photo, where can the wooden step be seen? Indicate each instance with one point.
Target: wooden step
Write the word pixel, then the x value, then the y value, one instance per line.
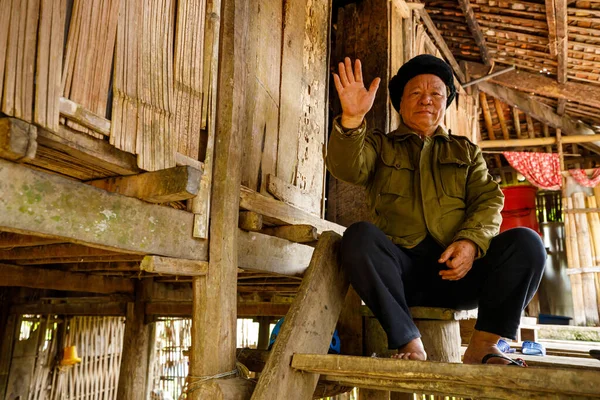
pixel 487 381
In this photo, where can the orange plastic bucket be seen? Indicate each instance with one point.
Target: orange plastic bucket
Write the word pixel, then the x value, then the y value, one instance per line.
pixel 519 208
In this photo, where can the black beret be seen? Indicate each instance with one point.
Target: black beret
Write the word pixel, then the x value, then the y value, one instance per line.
pixel 422 64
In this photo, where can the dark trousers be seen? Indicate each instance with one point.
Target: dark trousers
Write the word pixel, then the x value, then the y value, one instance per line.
pixel 390 279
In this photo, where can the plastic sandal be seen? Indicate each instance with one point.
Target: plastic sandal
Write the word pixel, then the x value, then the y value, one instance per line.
pixel 595 354
pixel 518 361
pixel 504 347
pixel 533 348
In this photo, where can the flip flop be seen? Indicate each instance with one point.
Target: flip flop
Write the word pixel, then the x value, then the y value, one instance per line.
pixel 533 348
pixel 518 361
pixel 595 354
pixel 504 347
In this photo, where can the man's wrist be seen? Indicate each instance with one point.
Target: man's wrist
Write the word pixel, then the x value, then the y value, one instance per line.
pixel 351 122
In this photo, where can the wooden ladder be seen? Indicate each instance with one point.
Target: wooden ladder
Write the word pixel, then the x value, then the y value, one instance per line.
pixel 299 355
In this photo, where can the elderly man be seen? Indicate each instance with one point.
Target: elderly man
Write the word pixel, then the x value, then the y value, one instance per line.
pixel 436 212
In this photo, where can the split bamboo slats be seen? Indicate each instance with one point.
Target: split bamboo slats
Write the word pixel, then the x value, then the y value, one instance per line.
pixel 18 33
pixel 583 253
pixel 143 87
pixel 89 54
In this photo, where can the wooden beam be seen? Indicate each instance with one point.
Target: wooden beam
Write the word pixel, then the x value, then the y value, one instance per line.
pixel 38 278
pixel 500 112
pixel 96 152
pixel 18 139
pixel 77 259
pixel 320 298
pixel 53 251
pixel 404 8
pixel 530 127
pixel 441 44
pixel 545 141
pixel 245 309
pixel 90 308
pixel 562 56
pixel 10 240
pixel 259 252
pixel 293 195
pixel 83 116
pixel 546 132
pixel 173 266
pixel 250 221
pixel 517 121
pixel 551 20
pixel 293 233
pixel 541 85
pixel 537 110
pixel 173 184
pixel 50 205
pixel 284 213
pixel 478 381
pixel 487 116
pixel 476 31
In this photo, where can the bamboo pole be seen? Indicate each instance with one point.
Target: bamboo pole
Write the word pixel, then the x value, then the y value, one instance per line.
pixel 544 141
pixel 585 258
pixel 573 263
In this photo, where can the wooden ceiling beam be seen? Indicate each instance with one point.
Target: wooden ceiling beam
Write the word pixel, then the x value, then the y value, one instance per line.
pixel 500 112
pixel 65 250
pixel 541 85
pixel 441 44
pixel 108 308
pixel 476 31
pixel 537 110
pixel 40 278
pixel 10 240
pixel 551 20
pixel 562 56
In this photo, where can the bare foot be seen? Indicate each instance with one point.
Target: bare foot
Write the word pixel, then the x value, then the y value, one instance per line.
pixel 413 350
pixel 482 344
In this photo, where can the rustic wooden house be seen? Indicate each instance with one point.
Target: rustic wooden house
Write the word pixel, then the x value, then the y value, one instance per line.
pixel 163 158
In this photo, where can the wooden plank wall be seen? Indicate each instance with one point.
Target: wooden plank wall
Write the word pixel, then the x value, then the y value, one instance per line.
pixel 287 89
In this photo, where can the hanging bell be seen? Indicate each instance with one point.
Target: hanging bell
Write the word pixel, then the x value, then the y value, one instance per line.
pixel 70 356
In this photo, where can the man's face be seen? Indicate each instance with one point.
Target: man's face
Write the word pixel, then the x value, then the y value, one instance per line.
pixel 423 103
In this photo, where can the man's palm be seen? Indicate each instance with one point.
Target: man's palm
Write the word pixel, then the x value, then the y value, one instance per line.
pixel 355 99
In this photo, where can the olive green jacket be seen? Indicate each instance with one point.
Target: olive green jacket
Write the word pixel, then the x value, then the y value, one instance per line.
pixel 439 185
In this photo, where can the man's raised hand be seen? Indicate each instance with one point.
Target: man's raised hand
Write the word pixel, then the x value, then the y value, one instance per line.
pixel 356 100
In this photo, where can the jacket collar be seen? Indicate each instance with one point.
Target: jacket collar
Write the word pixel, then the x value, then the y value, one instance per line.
pixel 403 132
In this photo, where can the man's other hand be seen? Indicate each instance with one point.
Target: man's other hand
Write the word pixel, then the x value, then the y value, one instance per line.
pixel 459 257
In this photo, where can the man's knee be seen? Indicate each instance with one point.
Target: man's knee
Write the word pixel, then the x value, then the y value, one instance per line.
pixel 358 237
pixel 529 244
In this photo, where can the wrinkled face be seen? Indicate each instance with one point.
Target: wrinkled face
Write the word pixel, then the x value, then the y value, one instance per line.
pixel 423 103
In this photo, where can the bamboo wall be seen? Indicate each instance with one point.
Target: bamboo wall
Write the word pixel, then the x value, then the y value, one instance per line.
pixel 582 226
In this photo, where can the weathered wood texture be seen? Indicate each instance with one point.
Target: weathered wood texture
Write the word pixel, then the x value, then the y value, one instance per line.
pixel 476 31
pixel 39 278
pixel 12 240
pixel 227 389
pixel 321 298
pixel 259 252
pixel 250 221
pixel 283 213
pixel 293 233
pixel 286 120
pixel 83 116
pixel 214 301
pixel 108 308
pixel 459 379
pixel 136 346
pixel 173 184
pixel 541 85
pixel 50 205
pixel 539 111
pixel 173 266
pixel 244 309
pixel 293 195
pixel 18 140
pixel 441 339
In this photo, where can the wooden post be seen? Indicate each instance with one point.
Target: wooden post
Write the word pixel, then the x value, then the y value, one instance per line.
pixel 263 332
pixel 134 361
pixel 7 331
pixel 214 296
pixel 308 325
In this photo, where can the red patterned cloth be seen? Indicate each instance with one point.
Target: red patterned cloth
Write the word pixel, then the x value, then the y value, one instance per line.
pixel 540 169
pixel 581 177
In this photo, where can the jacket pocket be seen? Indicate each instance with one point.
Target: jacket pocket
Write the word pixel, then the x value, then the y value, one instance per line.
pixel 453 173
pixel 396 172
